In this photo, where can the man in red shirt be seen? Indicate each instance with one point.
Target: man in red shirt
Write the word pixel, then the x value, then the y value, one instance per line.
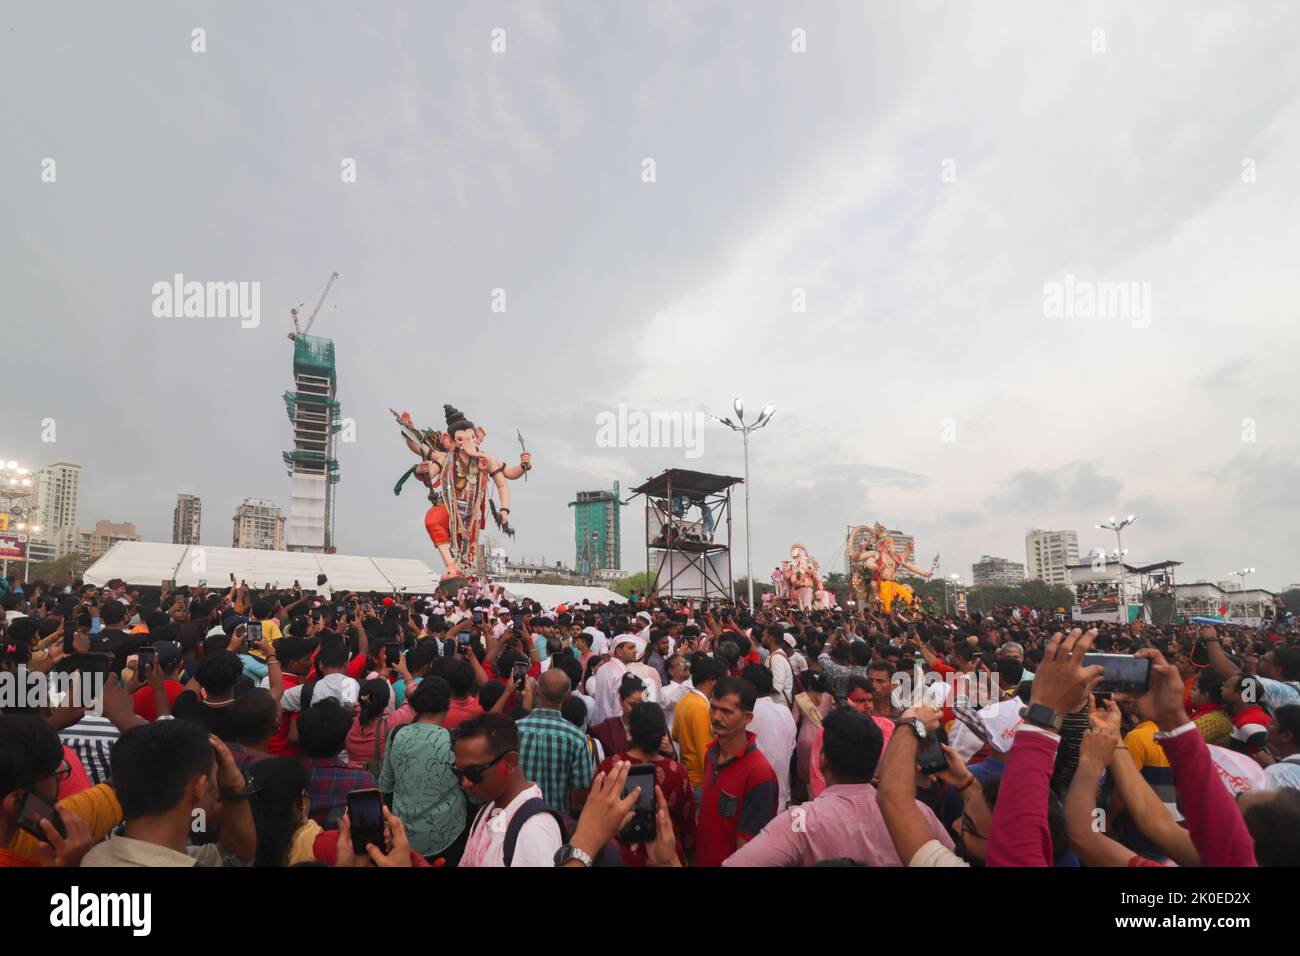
pixel 740 788
pixel 295 664
pixel 170 659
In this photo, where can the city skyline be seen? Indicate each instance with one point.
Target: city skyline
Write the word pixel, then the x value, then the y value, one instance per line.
pixel 884 230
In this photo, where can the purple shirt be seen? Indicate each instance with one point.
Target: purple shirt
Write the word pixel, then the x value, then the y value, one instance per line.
pixel 844 821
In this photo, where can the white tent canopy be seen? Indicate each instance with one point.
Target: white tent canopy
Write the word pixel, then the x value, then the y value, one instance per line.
pixel 550 595
pixel 145 563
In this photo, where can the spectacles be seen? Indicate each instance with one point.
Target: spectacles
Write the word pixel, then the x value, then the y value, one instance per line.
pixel 476 771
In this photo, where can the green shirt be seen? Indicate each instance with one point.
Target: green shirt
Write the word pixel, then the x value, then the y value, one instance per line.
pixel 427 797
pixel 555 756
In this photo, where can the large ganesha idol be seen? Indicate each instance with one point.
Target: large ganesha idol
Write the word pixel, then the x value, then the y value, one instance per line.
pixel 459 477
pixel 875 567
pixel 803 576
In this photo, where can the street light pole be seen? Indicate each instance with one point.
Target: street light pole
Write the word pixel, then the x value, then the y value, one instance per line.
pixel 764 417
pixel 1118 527
pixel 749 538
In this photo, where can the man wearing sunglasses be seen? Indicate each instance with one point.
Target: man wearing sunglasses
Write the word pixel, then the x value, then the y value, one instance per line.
pixel 514 826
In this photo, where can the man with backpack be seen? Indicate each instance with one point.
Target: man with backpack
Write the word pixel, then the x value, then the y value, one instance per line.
pixel 514 827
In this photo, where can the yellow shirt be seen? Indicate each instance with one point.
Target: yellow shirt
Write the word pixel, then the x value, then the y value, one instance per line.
pixel 270 631
pixel 97 806
pixel 693 732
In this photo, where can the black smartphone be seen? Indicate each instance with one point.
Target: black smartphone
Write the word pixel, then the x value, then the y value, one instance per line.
pixel 1200 655
pixel 462 641
pixel 518 619
pixel 476 617
pixel 393 654
pixel 1122 673
pixel 641 828
pixel 91 663
pixel 253 636
pixel 366 818
pixel 519 672
pixel 929 755
pixel 33 811
pixel 145 657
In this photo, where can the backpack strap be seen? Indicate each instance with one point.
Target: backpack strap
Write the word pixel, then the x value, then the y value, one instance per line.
pixel 304 702
pixel 528 810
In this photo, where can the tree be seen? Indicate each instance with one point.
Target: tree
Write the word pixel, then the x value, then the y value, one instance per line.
pixel 742 589
pixel 639 582
pixel 57 571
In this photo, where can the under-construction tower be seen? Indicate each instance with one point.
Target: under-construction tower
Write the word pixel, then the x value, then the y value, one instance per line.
pixel 314 412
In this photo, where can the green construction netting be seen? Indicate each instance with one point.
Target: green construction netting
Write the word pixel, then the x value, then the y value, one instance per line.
pixel 313 355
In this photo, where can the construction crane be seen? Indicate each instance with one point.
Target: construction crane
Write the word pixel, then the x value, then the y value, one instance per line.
pixel 314 312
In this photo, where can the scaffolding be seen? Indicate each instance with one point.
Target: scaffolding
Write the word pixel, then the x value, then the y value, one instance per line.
pixel 313 411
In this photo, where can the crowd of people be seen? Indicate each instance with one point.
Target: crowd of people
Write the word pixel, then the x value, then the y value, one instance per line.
pixel 245 726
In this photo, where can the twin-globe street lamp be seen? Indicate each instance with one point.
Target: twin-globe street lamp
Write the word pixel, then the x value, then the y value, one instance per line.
pixel 1118 526
pixel 764 417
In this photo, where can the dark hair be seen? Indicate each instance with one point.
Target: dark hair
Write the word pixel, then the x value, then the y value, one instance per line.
pixel 332 654
pixel 859 654
pixel 1211 685
pixel 323 728
pixel 459 675
pixel 1288 721
pixel 1010 670
pixel 858 682
pixel 29 750
pixel 647 726
pixel 569 665
pixel 881 667
pixel 373 700
pixel 1288 660
pixel 152 764
pixel 759 676
pixel 705 669
pixel 431 696
pixel 489 693
pixel 112 612
pixel 727 686
pixel 280 783
pixel 218 672
pixel 262 609
pixel 418 658
pixel 1273 821
pixel 629 685
pixel 574 710
pixel 253 716
pixel 852 743
pixel 499 732
pixel 815 680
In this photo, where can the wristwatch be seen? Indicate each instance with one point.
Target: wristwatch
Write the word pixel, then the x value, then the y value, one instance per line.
pixel 918 725
pixel 570 852
pixel 1040 715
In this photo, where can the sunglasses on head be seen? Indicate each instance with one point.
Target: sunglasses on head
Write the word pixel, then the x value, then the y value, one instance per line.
pixel 475 772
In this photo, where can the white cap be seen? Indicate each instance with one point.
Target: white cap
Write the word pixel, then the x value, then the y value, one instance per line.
pixel 629 639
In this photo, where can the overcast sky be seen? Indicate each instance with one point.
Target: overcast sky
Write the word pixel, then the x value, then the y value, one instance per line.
pixel 920 171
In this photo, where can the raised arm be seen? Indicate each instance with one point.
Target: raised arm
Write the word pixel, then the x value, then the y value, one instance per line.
pixel 896 792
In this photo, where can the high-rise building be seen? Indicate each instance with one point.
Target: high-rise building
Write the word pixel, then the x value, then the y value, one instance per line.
pixel 186 519
pixel 1049 554
pixel 95 544
pixel 259 524
pixel 597 536
pixel 313 470
pixel 989 571
pixel 57 489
